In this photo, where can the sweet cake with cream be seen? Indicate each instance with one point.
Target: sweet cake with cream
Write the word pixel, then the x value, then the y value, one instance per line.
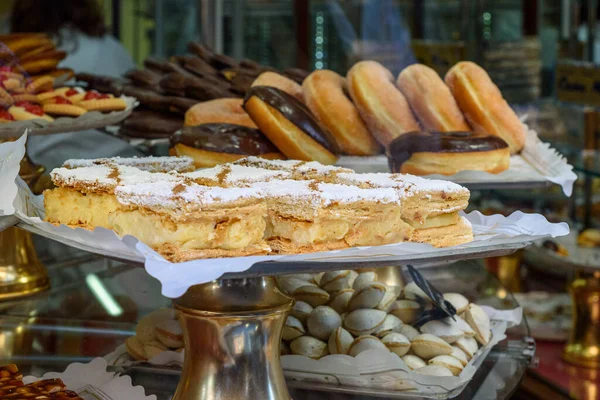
pixel 255 206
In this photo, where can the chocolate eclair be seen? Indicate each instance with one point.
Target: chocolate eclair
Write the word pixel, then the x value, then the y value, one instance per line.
pixel 104 84
pixel 200 67
pixel 213 144
pixel 222 61
pixel 151 124
pixel 174 84
pixel 447 153
pixel 144 77
pixel 290 125
pixel 201 50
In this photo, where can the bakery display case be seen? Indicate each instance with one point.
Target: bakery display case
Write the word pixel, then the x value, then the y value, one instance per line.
pixel 319 206
pixel 94 305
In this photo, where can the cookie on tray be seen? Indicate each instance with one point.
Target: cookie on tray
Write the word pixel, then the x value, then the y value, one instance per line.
pixel 23 111
pixel 103 104
pixel 63 107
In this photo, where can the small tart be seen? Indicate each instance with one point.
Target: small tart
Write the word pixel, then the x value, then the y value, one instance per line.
pixel 51 94
pixel 64 109
pixel 21 114
pixel 114 104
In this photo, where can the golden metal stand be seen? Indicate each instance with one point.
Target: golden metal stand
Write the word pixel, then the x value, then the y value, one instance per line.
pixel 21 272
pixel 508 270
pixel 583 348
pixel 232 330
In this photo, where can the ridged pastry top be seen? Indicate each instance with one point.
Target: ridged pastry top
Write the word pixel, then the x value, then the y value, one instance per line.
pixel 234 184
pixel 105 178
pixel 296 112
pixel 183 197
pixel 231 174
pixel 409 183
pixel 294 166
pixel 225 138
pixel 151 164
pixel 325 194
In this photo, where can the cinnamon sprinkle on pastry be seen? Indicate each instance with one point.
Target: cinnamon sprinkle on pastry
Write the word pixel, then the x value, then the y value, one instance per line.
pixel 179 188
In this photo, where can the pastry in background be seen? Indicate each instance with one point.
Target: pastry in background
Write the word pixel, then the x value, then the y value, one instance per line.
pixel 431 100
pixel 381 105
pixel 24 111
pixel 290 125
pixel 218 143
pixel 225 111
pixel 556 247
pixel 447 153
pixel 589 238
pixel 281 82
pixel 148 124
pixel 483 105
pixel 325 97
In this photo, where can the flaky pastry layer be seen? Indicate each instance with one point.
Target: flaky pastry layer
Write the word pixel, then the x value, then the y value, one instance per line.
pixel 227 232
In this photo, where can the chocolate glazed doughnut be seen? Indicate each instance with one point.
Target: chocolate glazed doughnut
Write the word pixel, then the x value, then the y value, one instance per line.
pixel 447 153
pixel 219 143
pixel 290 125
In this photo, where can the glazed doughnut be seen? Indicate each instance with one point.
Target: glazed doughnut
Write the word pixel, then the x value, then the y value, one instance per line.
pixel 324 95
pixel 227 111
pixel 213 144
pixel 483 105
pixel 380 104
pixel 280 82
pixel 431 100
pixel 447 153
pixel 290 125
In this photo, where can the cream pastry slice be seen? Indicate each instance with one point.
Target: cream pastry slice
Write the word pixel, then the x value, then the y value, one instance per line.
pixel 231 175
pixel 178 218
pixel 429 206
pixel 300 170
pixel 150 164
pixel 309 216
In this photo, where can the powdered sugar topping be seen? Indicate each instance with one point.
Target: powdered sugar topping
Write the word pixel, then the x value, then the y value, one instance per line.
pixel 176 194
pixel 100 176
pixel 151 164
pixel 337 193
pixel 232 174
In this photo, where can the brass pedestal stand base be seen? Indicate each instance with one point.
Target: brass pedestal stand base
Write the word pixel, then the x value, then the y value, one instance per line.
pixel 583 348
pixel 21 273
pixel 508 270
pixel 232 331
